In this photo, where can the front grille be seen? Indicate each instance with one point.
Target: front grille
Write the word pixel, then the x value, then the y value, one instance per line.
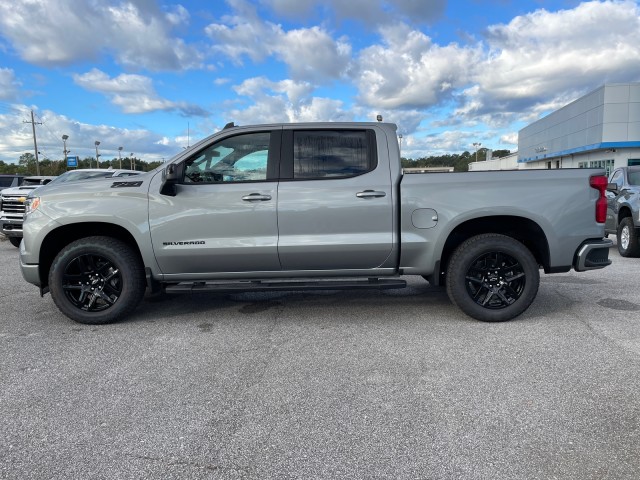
pixel 13 205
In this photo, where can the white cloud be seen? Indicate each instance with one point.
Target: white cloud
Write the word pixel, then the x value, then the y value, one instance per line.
pixel 177 15
pixel 62 32
pixel 310 53
pixel 285 101
pixel 9 86
pixel 441 143
pixel 540 61
pixel 510 138
pixel 370 12
pixel 18 139
pixel 409 70
pixel 133 93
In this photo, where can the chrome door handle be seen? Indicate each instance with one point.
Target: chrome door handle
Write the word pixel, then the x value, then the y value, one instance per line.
pixel 370 194
pixel 256 197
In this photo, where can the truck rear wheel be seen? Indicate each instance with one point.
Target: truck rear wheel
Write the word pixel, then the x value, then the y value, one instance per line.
pixel 97 280
pixel 627 237
pixel 492 278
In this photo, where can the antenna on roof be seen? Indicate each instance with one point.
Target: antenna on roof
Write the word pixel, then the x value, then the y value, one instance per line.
pixel 229 125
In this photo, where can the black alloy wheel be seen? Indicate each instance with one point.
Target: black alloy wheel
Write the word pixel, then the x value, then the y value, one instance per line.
pixel 97 280
pixel 495 280
pixel 492 277
pixel 92 283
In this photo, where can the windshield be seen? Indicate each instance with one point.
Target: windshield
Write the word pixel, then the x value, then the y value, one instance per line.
pixel 6 181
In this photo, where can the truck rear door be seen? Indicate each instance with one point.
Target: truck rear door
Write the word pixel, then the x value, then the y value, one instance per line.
pixel 335 200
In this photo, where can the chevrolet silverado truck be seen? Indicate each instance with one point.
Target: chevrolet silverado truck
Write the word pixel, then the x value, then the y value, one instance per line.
pixel 623 209
pixel 13 206
pixel 310 206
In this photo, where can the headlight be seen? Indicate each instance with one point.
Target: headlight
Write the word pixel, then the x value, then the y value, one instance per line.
pixel 32 204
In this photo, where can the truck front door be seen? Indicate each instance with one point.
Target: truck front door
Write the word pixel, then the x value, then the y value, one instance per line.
pixel 223 215
pixel 335 200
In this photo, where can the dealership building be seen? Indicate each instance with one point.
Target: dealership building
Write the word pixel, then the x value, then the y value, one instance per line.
pixel 599 130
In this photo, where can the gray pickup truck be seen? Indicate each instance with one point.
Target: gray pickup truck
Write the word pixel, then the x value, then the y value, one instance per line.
pixel 623 209
pixel 310 206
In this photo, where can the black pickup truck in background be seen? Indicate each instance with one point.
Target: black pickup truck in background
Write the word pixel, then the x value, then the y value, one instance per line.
pixel 623 209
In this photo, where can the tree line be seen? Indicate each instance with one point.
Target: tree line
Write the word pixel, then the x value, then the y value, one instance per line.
pixel 459 162
pixel 27 165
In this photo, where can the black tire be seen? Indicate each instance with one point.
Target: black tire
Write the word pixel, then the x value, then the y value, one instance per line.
pixel 492 278
pixel 627 238
pixel 15 241
pixel 97 280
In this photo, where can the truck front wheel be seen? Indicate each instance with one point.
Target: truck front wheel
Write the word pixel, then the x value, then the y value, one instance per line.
pixel 628 244
pixel 492 278
pixel 15 241
pixel 97 280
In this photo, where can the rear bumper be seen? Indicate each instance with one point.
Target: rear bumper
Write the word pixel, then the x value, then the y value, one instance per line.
pixel 592 254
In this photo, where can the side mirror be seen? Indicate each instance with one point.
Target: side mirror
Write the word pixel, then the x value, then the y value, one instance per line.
pixel 171 173
pixel 612 187
pixel 170 177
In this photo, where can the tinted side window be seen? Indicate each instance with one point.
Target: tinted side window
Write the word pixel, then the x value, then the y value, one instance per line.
pixel 242 158
pixel 323 153
pixel 634 178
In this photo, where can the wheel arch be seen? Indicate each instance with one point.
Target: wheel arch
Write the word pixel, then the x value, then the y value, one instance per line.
pixel 56 240
pixel 624 212
pixel 525 230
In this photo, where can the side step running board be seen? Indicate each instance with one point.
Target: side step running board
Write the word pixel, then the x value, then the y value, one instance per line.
pixel 276 285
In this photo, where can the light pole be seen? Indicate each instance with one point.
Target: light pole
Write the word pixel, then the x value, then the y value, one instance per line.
pixel 97 155
pixel 476 144
pixel 400 145
pixel 120 156
pixel 65 151
pixel 133 162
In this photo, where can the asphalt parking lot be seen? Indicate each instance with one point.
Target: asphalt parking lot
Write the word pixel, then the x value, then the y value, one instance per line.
pixel 323 385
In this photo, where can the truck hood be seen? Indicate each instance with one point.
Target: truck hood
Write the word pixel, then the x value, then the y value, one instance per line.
pixel 19 191
pixel 95 186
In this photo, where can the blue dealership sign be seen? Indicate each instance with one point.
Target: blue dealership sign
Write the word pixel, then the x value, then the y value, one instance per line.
pixel 72 161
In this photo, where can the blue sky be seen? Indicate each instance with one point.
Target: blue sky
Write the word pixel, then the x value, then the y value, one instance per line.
pixel 152 76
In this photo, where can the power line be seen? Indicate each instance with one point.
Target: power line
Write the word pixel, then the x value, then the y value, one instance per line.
pixel 53 135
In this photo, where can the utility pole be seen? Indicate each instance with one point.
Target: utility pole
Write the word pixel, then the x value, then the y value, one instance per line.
pixel 65 151
pixel 477 144
pixel 35 143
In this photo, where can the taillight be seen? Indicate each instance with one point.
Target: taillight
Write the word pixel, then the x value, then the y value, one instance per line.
pixel 599 182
